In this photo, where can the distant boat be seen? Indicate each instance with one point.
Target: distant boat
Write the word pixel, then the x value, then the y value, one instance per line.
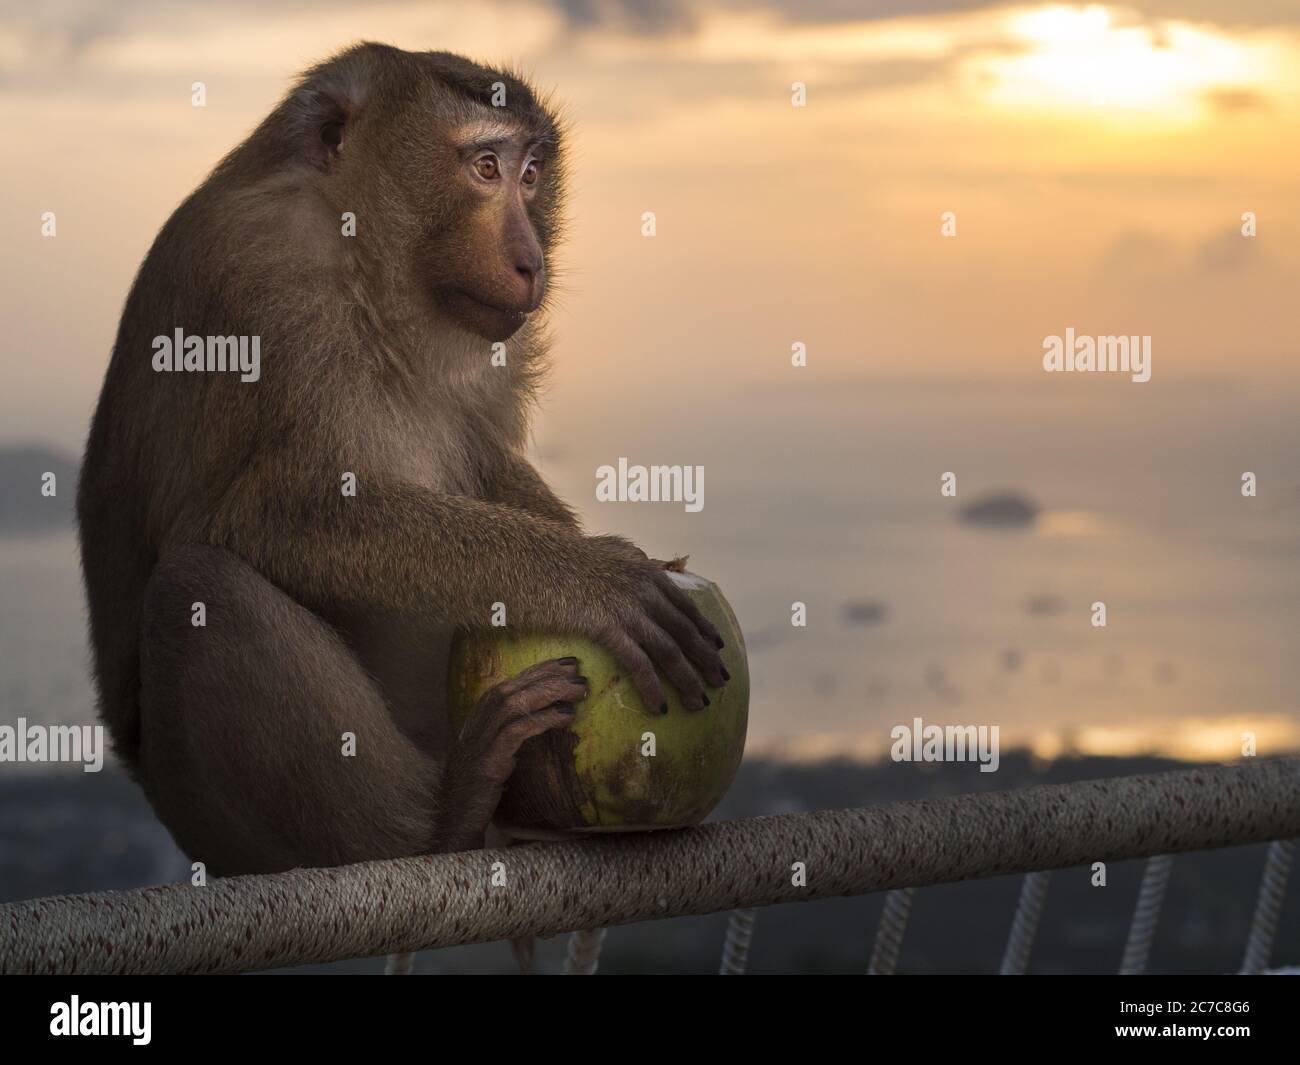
pixel 865 612
pixel 1001 510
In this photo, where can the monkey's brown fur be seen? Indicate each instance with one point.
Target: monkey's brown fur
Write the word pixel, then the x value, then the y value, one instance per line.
pixel 329 614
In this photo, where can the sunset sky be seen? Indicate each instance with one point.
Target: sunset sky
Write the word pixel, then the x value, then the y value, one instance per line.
pixel 1098 159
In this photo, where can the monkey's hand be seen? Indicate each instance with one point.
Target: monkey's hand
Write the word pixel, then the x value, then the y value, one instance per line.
pixel 526 705
pixel 628 603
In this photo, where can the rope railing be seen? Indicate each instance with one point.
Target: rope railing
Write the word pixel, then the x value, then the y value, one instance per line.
pixel 735 947
pixel 318 915
pixel 1268 907
pixel 1142 929
pixel 889 934
pixel 583 955
pixel 1029 908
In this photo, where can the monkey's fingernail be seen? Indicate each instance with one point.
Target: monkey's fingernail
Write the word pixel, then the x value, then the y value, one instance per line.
pixel 725 674
pixel 663 708
pixel 571 660
pixel 718 641
pixel 706 700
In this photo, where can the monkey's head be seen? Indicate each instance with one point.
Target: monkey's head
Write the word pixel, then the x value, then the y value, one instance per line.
pixel 453 171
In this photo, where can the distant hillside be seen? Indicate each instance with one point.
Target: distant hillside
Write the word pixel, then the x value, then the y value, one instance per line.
pixel 24 511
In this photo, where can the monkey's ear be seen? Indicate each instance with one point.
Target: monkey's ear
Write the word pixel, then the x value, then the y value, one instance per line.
pixel 323 119
pixel 325 104
pixel 331 135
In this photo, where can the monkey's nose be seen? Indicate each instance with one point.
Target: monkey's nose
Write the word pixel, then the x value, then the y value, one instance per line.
pixel 531 273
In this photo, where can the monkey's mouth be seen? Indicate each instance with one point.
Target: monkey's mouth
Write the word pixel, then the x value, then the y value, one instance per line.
pixel 489 320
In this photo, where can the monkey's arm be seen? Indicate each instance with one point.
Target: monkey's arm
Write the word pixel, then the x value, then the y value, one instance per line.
pixel 517 484
pixel 402 548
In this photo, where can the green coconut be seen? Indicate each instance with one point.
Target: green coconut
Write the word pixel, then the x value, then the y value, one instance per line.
pixel 599 775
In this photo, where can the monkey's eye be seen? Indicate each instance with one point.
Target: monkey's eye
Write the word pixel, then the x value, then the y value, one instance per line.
pixel 487 167
pixel 531 172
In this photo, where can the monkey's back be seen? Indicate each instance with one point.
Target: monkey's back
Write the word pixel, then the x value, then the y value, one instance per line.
pixel 146 471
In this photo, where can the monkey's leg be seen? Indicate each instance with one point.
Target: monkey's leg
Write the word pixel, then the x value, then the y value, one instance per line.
pixel 264 744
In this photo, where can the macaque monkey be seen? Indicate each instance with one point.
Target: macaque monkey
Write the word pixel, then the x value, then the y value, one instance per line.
pixel 276 561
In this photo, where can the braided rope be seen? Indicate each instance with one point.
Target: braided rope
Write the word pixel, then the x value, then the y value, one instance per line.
pixel 735 948
pixel 1025 926
pixel 584 952
pixel 303 916
pixel 1142 930
pixel 1268 906
pixel 889 936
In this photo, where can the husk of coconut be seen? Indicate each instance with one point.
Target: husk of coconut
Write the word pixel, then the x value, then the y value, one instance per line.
pixel 620 766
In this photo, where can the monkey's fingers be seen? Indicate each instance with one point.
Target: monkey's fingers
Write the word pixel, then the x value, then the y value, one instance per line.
pixel 701 652
pixel 500 749
pixel 513 735
pixel 541 694
pixel 668 658
pixel 536 688
pixel 684 603
pixel 633 658
pixel 554 670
